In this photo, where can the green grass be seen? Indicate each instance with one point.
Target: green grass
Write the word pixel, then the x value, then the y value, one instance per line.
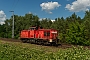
pixel 24 51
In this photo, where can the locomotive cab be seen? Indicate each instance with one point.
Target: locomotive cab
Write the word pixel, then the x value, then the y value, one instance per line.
pixel 54 34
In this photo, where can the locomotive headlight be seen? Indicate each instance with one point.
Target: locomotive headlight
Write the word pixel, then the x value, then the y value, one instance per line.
pixel 50 40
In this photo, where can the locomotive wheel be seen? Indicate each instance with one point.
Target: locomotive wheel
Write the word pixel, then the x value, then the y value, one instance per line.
pixel 54 44
pixel 24 41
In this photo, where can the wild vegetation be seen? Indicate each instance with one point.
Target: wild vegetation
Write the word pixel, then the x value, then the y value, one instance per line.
pixel 24 51
pixel 72 29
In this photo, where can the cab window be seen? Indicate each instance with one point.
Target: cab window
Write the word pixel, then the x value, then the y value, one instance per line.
pixel 46 33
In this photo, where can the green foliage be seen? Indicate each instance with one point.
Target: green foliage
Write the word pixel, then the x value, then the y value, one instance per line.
pixel 74 54
pixel 76 34
pixel 13 52
pixel 2 31
pixel 46 23
pixel 86 22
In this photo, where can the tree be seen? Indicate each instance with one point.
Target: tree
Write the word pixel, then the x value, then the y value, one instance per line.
pixel 46 23
pixel 77 34
pixel 86 22
pixel 2 31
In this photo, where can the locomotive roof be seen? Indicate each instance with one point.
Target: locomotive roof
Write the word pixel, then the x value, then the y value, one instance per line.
pixel 46 29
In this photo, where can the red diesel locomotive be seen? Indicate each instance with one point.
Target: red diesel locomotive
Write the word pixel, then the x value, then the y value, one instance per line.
pixel 38 35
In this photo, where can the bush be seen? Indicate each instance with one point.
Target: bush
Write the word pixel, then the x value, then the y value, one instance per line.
pixel 76 34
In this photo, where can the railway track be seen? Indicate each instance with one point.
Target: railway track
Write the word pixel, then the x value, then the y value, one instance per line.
pixel 11 40
pixel 62 45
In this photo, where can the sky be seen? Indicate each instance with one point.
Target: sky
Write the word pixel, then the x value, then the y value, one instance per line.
pixel 43 8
